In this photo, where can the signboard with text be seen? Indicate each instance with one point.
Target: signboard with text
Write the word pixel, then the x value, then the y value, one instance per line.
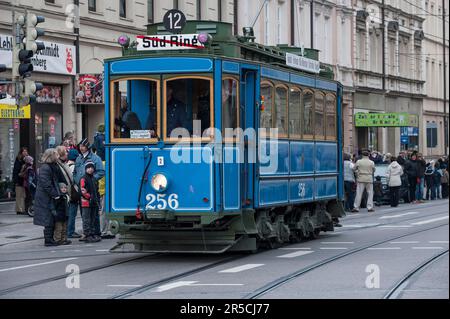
pixel 385 120
pixel 302 63
pixel 168 42
pixel 54 58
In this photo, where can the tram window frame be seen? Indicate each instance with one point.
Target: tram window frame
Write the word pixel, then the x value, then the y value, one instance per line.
pixel 334 100
pixel 299 135
pixel 168 78
pixel 286 111
pixel 319 136
pixel 238 120
pixel 113 112
pixel 312 113
pixel 272 88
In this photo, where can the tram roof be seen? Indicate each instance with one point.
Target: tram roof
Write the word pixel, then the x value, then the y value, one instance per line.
pixel 225 45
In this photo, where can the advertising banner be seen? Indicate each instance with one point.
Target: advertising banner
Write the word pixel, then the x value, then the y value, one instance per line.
pixel 55 58
pixel 89 89
pixel 385 119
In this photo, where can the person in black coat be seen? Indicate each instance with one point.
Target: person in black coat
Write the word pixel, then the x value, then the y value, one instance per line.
pixel 411 168
pixel 19 182
pixel 47 192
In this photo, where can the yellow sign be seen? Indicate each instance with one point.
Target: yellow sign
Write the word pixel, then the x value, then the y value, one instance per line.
pixel 13 112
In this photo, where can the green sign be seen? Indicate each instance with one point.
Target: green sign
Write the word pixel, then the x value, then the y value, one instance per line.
pixel 386 119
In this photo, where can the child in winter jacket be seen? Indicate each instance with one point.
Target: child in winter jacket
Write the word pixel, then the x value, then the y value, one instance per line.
pixel 90 203
pixel 61 213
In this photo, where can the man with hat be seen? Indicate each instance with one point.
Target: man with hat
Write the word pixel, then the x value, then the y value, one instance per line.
pixel 364 169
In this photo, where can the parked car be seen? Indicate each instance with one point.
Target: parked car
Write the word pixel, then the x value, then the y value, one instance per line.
pixel 380 170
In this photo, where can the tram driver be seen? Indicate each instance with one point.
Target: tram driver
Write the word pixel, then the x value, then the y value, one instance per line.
pixel 176 112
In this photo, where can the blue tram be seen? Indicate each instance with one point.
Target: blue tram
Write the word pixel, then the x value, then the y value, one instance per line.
pixel 220 147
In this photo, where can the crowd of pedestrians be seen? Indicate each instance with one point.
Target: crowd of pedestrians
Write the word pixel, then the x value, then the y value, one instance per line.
pixel 66 182
pixel 425 180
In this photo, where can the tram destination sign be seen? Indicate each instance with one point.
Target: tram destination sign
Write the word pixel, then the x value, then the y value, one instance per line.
pixel 168 42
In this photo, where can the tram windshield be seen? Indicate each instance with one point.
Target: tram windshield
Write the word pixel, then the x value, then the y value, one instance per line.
pixel 188 107
pixel 135 108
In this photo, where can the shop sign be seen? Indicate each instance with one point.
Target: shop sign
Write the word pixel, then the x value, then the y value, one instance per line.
pixel 54 58
pixel 385 120
pixel 89 89
pixel 8 111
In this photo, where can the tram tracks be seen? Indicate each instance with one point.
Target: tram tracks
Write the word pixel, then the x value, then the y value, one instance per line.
pixel 277 283
pixel 404 282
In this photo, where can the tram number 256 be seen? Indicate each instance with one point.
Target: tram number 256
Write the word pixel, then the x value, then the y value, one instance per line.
pixel 159 201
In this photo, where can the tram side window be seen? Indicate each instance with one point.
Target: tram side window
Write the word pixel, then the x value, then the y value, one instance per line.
pixel 266 110
pixel 331 117
pixel 319 118
pixel 188 100
pixel 294 113
pixel 307 107
pixel 135 109
pixel 229 104
pixel 281 110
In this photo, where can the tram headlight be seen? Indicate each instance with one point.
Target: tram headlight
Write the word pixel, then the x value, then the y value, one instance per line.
pixel 159 182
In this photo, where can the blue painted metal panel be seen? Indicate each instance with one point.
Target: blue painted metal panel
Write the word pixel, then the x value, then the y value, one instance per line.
pixel 325 85
pixel 274 159
pixel 340 144
pixel 230 67
pixel 231 179
pixel 218 124
pixel 107 137
pixel 325 187
pixel 301 190
pixel 189 178
pixel 302 161
pixel 274 74
pixel 273 192
pixel 326 157
pixel 161 65
pixel 302 80
pixel 140 96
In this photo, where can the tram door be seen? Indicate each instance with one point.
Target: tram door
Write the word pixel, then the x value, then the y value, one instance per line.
pixel 247 122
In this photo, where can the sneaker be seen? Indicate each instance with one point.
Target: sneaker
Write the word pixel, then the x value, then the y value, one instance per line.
pixel 83 238
pixel 371 210
pixel 107 236
pixel 337 225
pixel 65 242
pixel 354 210
pixel 74 235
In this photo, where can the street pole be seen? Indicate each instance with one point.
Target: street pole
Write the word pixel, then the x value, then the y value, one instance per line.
pixel 311 23
pixel 445 81
pixel 383 44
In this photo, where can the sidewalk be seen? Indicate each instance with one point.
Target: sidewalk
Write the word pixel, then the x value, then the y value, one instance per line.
pixel 18 228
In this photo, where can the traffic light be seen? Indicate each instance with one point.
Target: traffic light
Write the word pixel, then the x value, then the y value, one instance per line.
pixel 2 69
pixel 30 88
pixel 33 33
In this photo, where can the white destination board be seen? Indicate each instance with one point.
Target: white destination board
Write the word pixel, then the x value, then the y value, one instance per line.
pixel 168 42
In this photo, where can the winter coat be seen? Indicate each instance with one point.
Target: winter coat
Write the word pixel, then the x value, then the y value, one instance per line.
pixel 99 144
pixel 444 178
pixel 89 192
pixel 16 170
pixel 421 166
pixel 364 169
pixel 411 168
pixel 79 170
pixel 349 175
pixel 47 190
pixel 393 174
pixel 437 174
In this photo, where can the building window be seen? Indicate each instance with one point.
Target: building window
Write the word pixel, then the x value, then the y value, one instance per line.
pixel 50 1
pixel 92 5
pixel 198 7
pixel 150 14
pixel 123 8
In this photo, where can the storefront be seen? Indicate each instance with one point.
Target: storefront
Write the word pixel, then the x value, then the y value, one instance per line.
pixel 89 97
pixel 372 128
pixel 10 117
